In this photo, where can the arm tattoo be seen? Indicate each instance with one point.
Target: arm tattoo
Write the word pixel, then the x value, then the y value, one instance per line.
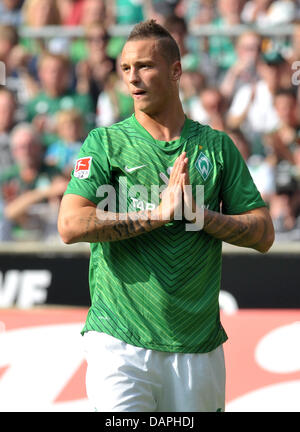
pixel 105 226
pixel 246 230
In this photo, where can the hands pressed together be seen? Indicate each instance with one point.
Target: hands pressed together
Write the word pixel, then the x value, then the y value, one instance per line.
pixel 177 195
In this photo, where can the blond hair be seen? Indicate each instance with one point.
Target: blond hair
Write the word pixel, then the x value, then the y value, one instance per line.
pixel 68 115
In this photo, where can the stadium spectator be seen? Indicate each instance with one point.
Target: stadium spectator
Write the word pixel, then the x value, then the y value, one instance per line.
pixel 284 153
pixel 30 189
pixel 70 130
pixel 114 102
pixel 93 11
pixel 94 69
pixel 9 39
pixel 70 11
pixel 38 14
pixel 294 52
pixel 56 95
pixel 80 47
pixel 262 171
pixel 227 63
pixel 256 11
pixel 190 59
pixel 192 82
pixel 8 108
pixel 282 12
pixel 160 10
pixel 5 225
pixel 127 12
pixel 297 12
pixel 289 118
pixel 85 12
pixel 209 108
pixel 222 48
pixel 200 12
pixel 123 13
pixel 16 60
pixel 252 108
pixel 10 12
pixel 178 28
pixel 268 12
pixel 293 57
pixel 245 69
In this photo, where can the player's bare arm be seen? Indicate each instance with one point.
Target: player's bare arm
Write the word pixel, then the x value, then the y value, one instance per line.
pixel 253 229
pixel 81 221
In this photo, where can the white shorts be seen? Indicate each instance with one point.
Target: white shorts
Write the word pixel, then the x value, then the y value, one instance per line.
pixel 122 378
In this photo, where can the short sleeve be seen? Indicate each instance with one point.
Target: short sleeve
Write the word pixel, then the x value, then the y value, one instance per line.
pixel 238 191
pixel 91 170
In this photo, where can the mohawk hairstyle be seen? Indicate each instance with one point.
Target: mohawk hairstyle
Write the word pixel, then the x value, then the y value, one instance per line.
pixel 151 30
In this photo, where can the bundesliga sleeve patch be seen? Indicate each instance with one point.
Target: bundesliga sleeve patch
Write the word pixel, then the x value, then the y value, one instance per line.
pixel 82 167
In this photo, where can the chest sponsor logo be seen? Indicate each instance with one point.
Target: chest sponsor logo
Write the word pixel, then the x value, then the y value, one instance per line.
pixel 82 167
pixel 203 165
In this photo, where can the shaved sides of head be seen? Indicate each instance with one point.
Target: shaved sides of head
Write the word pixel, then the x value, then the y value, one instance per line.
pixel 151 30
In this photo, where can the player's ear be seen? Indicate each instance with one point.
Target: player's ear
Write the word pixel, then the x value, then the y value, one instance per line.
pixel 176 70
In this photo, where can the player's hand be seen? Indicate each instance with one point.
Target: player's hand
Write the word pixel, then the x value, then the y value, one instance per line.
pixel 172 197
pixel 192 212
pixel 188 199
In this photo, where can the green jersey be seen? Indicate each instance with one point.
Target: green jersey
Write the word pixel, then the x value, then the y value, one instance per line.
pixel 160 290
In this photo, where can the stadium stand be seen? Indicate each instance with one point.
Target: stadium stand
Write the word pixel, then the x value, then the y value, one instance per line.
pixel 241 64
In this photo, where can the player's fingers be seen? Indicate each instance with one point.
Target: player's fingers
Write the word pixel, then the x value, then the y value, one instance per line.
pixel 185 164
pixel 182 173
pixel 177 169
pixel 179 160
pixel 184 178
pixel 186 172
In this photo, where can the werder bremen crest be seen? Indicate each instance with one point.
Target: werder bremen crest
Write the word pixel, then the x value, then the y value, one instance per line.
pixel 203 165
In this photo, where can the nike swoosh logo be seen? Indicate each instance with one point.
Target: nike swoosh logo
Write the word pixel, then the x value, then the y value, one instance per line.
pixel 130 170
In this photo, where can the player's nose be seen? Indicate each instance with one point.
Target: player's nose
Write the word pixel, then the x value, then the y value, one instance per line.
pixel 133 76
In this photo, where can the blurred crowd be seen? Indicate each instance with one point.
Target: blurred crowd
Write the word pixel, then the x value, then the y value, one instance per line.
pixel 54 90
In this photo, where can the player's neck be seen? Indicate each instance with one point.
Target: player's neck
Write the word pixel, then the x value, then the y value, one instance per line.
pixel 165 126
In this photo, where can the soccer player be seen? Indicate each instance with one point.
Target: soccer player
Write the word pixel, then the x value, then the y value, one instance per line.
pixel 154 340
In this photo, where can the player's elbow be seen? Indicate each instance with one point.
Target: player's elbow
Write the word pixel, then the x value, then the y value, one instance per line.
pixel 265 245
pixel 65 229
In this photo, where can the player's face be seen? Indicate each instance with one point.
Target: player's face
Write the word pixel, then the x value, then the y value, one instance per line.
pixel 148 75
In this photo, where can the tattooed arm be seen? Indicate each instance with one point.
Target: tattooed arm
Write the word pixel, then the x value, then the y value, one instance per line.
pixel 80 220
pixel 253 229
